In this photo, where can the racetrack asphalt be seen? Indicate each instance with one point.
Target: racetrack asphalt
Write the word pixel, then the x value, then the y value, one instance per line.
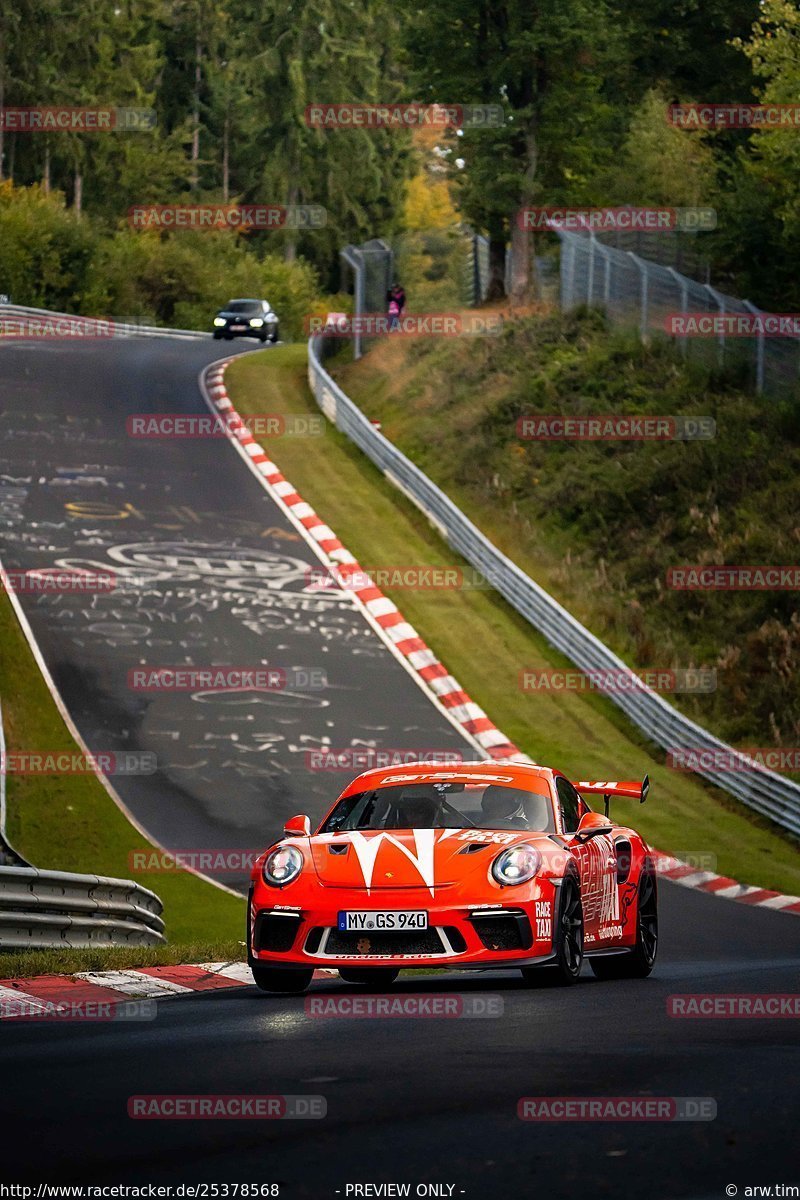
pixel 434 1100
pixel 209 571
pixel 418 1101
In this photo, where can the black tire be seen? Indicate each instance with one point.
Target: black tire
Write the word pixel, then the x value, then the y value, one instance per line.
pixel 567 941
pixel 281 979
pixel 228 336
pixel 377 977
pixel 262 337
pixel 216 335
pixel 638 962
pixel 275 334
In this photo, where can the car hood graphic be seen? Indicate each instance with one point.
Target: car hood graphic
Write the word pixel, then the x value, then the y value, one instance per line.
pixel 408 858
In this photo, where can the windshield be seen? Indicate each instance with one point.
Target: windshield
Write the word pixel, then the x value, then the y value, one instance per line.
pixel 443 806
pixel 243 306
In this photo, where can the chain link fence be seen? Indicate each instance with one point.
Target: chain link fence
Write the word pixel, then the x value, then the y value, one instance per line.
pixel 636 291
pixel 367 273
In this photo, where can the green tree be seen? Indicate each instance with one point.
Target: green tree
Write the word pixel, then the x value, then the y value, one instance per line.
pixel 547 65
pixel 661 164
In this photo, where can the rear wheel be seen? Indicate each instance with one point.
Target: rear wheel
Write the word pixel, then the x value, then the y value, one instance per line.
pixel 567 941
pixel 275 334
pixel 378 977
pixel 279 979
pixel 638 962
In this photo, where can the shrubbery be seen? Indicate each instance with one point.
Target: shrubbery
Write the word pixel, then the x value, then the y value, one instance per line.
pixel 49 258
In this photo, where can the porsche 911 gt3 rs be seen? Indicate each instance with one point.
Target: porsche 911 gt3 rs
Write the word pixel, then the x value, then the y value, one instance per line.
pixel 476 864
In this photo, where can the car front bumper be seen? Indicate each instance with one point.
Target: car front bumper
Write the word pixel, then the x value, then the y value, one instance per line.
pixel 459 935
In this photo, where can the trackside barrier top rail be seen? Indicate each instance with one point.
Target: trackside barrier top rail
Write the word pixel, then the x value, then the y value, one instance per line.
pixel 120 328
pixel 762 790
pixel 46 909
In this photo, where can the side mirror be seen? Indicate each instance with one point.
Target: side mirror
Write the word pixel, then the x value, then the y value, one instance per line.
pixel 299 826
pixel 590 825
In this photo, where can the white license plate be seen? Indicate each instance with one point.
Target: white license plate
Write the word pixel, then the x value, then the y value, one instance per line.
pixel 238 328
pixel 357 922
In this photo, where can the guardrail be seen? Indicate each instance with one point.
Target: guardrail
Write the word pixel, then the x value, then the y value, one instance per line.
pixel 118 328
pixel 9 857
pixel 46 909
pixel 43 909
pixel 765 791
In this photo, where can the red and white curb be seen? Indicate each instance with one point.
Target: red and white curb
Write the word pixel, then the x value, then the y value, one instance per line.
pixel 92 995
pixel 399 635
pixel 406 642
pixel 723 887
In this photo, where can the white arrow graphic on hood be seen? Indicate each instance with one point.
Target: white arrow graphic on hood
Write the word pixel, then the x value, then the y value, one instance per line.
pixel 367 851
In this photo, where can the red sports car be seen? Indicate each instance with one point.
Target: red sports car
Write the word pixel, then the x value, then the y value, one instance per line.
pixel 478 864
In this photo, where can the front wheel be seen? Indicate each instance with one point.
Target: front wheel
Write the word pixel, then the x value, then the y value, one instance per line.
pixel 378 977
pixel 275 335
pixel 279 979
pixel 567 941
pixel 638 962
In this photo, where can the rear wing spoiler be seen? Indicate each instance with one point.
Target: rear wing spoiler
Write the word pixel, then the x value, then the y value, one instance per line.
pixel 633 789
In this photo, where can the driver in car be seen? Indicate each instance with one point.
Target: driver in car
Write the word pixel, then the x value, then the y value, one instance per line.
pixel 418 808
pixel 506 804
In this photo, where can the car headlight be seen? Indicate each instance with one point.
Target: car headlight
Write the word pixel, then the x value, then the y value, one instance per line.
pixel 282 866
pixel 219 320
pixel 256 321
pixel 518 864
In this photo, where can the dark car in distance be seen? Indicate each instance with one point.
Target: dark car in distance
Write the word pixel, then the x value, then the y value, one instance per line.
pixel 246 318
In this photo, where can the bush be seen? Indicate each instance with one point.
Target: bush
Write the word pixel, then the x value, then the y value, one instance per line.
pixel 45 251
pixel 49 258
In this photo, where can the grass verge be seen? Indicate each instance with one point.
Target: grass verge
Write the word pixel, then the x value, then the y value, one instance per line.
pixel 25 964
pixel 70 823
pixel 485 643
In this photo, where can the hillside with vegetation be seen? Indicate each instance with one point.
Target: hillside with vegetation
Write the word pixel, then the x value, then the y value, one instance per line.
pixel 600 523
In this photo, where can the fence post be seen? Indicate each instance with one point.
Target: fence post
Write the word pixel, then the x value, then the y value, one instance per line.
pixel 682 284
pixel 567 270
pixel 751 308
pixel 643 299
pixel 477 290
pixel 590 277
pixel 606 279
pixel 720 302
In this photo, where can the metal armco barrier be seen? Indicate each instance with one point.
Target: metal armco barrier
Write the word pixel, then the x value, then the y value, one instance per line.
pixel 46 909
pixel 765 791
pixel 120 328
pixel 9 857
